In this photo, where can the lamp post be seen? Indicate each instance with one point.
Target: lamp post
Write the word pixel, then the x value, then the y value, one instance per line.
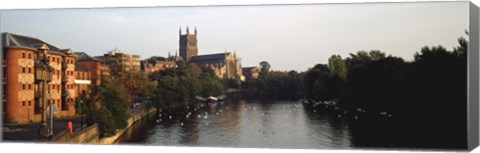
pixel 43 74
pixel 81 109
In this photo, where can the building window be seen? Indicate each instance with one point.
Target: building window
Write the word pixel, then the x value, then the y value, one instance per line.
pixel 29 70
pixel 4 90
pixel 5 72
pixel 23 54
pixel 29 86
pixel 23 69
pixel 29 56
pixel 53 59
pixel 53 101
pixel 29 103
pixel 23 103
pixel 23 86
pixel 53 86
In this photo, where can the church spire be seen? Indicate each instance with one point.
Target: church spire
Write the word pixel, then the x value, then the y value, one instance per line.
pixel 188 32
pixel 195 30
pixel 180 31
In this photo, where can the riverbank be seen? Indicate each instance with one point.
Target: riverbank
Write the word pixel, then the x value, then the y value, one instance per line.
pixel 134 117
pixel 90 134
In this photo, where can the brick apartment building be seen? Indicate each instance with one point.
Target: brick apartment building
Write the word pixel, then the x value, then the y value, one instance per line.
pixel 22 94
pixel 127 62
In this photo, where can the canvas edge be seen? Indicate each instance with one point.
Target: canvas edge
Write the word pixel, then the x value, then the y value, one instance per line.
pixel 473 78
pixel 1 83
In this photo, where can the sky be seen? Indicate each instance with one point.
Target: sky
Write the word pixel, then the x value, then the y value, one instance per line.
pixel 289 37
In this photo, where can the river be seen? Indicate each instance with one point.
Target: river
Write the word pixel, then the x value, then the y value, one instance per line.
pixel 241 123
pixel 277 124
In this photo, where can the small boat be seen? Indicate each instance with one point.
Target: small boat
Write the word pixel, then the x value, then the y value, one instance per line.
pixel 212 99
pixel 222 97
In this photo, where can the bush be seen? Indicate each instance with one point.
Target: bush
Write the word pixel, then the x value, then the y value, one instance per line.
pixel 104 119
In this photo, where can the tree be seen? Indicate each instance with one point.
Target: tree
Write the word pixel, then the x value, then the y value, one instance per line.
pixel 316 81
pixel 112 111
pixel 264 68
pixel 337 66
pixel 138 86
pixel 113 98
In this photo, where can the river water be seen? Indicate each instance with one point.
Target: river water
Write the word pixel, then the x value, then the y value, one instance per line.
pixel 241 123
pixel 284 124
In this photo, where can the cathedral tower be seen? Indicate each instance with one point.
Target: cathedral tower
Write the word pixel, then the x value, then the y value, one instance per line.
pixel 188 45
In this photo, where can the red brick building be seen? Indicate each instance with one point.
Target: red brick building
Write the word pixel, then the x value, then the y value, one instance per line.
pixel 93 65
pixel 83 80
pixel 21 94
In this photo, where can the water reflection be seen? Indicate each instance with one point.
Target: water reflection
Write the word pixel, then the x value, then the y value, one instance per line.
pixel 240 123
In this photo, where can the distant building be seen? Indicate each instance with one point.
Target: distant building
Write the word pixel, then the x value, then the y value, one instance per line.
pixel 251 72
pixel 21 92
pixel 156 63
pixel 127 62
pixel 225 65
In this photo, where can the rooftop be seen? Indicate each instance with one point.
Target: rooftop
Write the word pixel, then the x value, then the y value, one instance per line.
pixel 82 56
pixel 10 40
pixel 209 57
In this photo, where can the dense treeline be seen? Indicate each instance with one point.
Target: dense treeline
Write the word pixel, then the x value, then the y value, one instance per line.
pixel 183 83
pixel 424 100
pixel 427 97
pixel 274 84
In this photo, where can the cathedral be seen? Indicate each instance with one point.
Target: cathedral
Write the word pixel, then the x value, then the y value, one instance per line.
pixel 226 65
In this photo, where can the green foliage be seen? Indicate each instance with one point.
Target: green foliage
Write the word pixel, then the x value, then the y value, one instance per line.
pixel 137 86
pixel 264 68
pixel 112 113
pixel 103 117
pixel 317 81
pixel 211 85
pixel 337 66
pixel 274 84
pixel 183 83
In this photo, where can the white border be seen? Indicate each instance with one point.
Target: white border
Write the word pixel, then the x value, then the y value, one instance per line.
pixel 32 4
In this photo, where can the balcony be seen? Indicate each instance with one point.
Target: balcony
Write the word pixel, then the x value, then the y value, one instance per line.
pixel 88 82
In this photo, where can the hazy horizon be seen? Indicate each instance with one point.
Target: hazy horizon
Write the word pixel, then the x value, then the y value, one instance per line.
pixel 289 37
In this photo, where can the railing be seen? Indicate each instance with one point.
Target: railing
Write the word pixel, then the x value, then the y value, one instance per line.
pixel 87 135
